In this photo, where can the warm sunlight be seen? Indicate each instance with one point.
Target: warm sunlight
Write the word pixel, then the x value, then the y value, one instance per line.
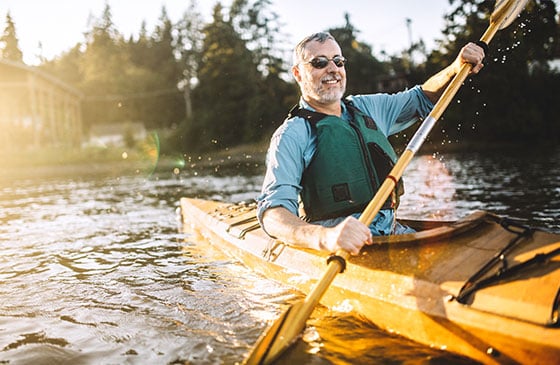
pixel 182 182
pixel 45 30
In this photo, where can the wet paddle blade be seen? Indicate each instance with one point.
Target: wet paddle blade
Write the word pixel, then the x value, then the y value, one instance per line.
pixel 278 337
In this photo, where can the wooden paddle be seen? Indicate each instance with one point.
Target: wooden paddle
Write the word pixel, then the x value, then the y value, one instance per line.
pixel 286 329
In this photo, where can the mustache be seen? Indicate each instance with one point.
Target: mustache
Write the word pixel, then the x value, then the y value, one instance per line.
pixel 331 77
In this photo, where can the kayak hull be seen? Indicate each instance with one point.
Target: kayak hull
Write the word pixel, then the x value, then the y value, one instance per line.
pixel 417 285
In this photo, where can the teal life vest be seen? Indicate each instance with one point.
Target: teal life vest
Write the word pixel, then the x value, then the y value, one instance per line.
pixel 351 162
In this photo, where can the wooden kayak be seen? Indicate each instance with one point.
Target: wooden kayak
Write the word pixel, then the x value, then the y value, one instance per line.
pixel 484 286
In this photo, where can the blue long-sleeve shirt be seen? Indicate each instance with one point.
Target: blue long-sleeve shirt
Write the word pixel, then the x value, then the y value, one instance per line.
pixel 294 143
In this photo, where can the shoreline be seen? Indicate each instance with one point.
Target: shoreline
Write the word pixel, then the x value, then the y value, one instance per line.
pixel 125 161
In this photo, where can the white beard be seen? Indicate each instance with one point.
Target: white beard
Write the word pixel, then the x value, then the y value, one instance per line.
pixel 322 95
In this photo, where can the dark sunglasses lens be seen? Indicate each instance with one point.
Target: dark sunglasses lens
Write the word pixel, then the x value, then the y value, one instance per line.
pixel 322 61
pixel 319 62
pixel 339 61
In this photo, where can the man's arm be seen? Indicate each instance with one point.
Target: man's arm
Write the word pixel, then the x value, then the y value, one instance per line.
pixel 435 85
pixel 349 235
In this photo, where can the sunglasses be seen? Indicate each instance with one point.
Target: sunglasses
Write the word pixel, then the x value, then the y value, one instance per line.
pixel 322 61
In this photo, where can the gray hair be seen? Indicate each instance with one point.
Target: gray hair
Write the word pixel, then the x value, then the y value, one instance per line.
pixel 320 37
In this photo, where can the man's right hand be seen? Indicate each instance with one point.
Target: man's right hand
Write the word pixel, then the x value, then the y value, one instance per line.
pixel 350 235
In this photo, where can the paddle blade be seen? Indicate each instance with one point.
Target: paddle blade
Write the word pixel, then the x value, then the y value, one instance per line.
pixel 279 336
pixel 506 11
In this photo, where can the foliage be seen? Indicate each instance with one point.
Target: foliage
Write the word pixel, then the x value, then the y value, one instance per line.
pixel 364 72
pixel 261 30
pixel 189 45
pixel 224 99
pixel 131 80
pixel 217 84
pixel 9 48
pixel 241 94
pixel 511 98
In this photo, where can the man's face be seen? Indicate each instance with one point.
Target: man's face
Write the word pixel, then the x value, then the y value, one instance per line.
pixel 326 85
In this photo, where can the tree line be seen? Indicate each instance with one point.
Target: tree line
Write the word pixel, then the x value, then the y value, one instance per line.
pixel 217 84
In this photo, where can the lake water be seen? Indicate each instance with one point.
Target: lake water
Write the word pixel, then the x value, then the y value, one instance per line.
pixel 96 269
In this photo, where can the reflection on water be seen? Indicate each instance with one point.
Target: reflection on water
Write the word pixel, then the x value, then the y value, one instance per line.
pixel 95 268
pixel 517 183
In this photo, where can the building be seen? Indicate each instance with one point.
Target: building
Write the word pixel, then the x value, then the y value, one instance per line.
pixel 37 109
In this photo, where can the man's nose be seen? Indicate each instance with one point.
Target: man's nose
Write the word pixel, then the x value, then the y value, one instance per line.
pixel 331 66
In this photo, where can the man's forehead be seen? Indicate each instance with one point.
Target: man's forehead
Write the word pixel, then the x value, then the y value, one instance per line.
pixel 328 47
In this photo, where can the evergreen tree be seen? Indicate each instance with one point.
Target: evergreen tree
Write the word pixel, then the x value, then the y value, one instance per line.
pixel 128 80
pixel 225 99
pixel 103 64
pixel 165 102
pixel 67 67
pixel 260 27
pixel 9 48
pixel 102 59
pixel 139 49
pixel 142 79
pixel 508 99
pixel 364 72
pixel 189 45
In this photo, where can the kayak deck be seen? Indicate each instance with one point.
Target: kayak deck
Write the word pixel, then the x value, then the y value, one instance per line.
pixel 482 286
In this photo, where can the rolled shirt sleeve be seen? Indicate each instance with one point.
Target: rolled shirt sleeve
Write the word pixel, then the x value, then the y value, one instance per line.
pixel 395 112
pixel 289 153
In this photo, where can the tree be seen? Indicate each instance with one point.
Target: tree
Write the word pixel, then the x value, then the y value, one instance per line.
pixel 163 103
pixel 104 69
pixel 131 80
pixel 225 99
pixel 67 67
pixel 189 43
pixel 260 28
pixel 364 72
pixel 9 48
pixel 507 100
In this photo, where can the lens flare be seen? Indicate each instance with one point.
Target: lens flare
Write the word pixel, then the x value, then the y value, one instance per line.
pixel 149 152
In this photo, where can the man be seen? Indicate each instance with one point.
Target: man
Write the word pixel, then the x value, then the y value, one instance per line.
pixel 314 154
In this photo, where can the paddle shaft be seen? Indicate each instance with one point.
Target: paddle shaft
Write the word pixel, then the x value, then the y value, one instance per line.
pixel 395 174
pixel 335 266
pixel 419 137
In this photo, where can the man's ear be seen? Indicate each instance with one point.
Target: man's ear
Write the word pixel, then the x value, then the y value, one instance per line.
pixel 295 72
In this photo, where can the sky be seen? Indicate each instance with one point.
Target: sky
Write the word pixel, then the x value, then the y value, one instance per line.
pixel 58 25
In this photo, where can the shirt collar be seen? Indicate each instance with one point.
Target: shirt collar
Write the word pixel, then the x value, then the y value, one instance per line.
pixel 345 113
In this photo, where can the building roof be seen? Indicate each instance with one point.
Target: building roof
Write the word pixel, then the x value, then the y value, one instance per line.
pixel 41 74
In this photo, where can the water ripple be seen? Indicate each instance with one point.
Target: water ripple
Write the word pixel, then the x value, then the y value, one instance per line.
pixel 94 269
